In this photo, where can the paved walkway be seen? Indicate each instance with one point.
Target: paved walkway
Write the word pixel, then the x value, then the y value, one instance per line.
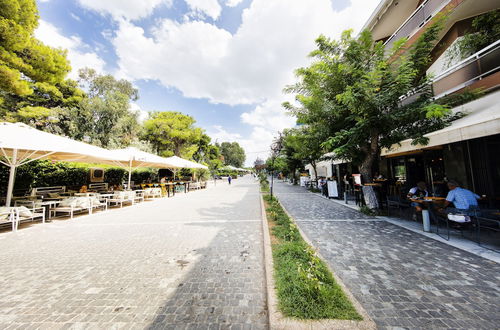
pixel 193 261
pixel 403 279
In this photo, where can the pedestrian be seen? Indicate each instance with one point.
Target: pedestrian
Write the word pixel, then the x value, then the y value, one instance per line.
pixel 229 179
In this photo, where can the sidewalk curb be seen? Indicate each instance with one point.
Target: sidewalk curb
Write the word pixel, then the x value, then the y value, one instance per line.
pixel 276 319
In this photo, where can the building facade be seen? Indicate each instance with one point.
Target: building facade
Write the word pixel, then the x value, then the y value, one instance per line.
pixel 469 149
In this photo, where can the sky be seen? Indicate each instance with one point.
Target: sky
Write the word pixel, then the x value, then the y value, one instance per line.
pixel 224 62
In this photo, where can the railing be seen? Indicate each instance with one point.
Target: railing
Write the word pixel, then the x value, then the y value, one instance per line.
pixel 419 17
pixel 474 68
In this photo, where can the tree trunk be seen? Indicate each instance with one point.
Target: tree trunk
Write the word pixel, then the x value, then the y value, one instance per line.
pixel 315 170
pixel 371 152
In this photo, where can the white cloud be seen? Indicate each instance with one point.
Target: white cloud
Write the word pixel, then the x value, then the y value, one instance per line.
pixel 141 114
pixel 233 3
pixel 129 9
pixel 210 8
pixel 78 53
pixel 250 66
pixel 75 17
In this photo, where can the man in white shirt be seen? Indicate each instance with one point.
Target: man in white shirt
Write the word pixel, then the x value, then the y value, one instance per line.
pixel 418 192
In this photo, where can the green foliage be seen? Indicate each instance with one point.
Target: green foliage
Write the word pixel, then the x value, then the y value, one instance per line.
pixel 144 174
pixel 305 287
pixel 32 74
pixel 350 96
pixel 366 210
pixel 233 153
pixel 484 30
pixel 173 133
pixel 44 173
pixel 104 117
pixel 115 176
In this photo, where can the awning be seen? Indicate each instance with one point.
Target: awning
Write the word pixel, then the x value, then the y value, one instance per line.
pixel 184 163
pixel 483 120
pixel 21 144
pixel 132 158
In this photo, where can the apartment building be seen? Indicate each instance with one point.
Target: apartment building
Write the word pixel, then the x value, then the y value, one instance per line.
pixel 469 149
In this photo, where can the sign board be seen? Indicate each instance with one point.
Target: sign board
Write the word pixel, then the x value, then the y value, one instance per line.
pixel 357 179
pixel 303 181
pixel 332 189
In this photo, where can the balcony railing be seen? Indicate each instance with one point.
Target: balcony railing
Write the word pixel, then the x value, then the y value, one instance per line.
pixel 419 17
pixel 472 69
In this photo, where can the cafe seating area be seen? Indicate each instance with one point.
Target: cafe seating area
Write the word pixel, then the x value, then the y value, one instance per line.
pixel 43 204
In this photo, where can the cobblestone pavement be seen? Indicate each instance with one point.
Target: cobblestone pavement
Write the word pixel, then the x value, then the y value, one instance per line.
pixel 192 261
pixel 403 279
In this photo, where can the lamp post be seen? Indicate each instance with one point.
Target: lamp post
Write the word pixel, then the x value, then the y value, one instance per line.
pixel 275 150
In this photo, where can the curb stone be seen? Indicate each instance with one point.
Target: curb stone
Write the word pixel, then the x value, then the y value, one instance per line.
pixel 276 319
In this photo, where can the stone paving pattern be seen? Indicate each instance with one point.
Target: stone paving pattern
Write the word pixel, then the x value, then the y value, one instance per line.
pixel 404 280
pixel 194 261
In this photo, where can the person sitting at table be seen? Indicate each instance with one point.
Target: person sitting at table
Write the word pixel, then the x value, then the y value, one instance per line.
pixel 464 200
pixel 163 179
pixel 418 192
pixel 83 189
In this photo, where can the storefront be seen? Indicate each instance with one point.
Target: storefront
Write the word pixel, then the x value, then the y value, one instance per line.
pixel 467 151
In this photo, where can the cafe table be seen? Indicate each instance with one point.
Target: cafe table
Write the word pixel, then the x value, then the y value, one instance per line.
pixel 428 202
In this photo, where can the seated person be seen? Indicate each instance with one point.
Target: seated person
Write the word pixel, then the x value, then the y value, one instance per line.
pixel 83 189
pixel 465 201
pixel 420 191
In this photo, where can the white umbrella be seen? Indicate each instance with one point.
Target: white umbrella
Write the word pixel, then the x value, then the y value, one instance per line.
pixel 132 158
pixel 181 162
pixel 21 144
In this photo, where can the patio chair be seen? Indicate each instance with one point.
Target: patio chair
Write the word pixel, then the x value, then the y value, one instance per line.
pixel 97 204
pixel 121 197
pixel 28 210
pixel 139 196
pixel 72 205
pixel 9 216
pixel 152 193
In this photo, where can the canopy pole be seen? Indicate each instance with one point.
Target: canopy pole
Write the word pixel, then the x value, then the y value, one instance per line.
pixel 129 174
pixel 12 176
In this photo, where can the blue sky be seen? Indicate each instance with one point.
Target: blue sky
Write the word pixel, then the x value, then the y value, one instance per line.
pixel 224 62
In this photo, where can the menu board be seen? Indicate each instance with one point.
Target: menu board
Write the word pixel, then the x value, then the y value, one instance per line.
pixel 333 189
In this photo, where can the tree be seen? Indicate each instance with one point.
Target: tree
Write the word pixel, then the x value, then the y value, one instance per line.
pixel 33 88
pixel 351 94
pixel 104 117
pixel 173 133
pixel 233 153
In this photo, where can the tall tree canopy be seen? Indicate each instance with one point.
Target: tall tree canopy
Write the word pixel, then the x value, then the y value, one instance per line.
pixel 173 133
pixel 104 117
pixel 33 88
pixel 233 153
pixel 351 94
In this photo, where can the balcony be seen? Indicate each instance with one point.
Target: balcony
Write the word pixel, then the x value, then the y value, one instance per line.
pixel 482 69
pixel 418 18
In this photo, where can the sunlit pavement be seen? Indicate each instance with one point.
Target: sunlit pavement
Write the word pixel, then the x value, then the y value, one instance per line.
pixel 192 261
pixel 403 279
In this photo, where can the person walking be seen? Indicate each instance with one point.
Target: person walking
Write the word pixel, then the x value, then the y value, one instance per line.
pixel 229 179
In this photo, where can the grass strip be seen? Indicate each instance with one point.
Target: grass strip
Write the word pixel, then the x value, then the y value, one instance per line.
pixel 305 287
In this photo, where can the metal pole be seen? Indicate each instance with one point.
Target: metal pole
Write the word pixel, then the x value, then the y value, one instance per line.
pixel 12 176
pixel 129 174
pixel 272 178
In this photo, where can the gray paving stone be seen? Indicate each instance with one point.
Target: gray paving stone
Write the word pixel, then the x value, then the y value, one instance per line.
pixel 194 261
pixel 403 279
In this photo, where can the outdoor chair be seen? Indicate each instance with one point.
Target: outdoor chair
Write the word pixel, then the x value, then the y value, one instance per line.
pixel 29 211
pixel 73 205
pixel 9 216
pixel 152 193
pixel 122 197
pixel 139 196
pixel 485 220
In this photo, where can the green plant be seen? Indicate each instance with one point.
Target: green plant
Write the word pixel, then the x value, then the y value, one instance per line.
pixel 366 210
pixel 305 287
pixel 115 176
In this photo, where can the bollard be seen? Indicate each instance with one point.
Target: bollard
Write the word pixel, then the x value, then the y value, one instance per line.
pixel 426 221
pixel 345 197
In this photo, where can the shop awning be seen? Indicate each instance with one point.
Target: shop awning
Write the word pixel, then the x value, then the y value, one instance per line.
pixel 483 120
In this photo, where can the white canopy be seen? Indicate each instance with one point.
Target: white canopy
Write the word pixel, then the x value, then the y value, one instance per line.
pixel 132 158
pixel 483 119
pixel 21 144
pixel 184 163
